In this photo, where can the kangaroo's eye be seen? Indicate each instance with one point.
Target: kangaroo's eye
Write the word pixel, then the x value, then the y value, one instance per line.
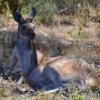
pixel 24 27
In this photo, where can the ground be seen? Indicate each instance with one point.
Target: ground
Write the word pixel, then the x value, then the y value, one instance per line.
pixel 67 38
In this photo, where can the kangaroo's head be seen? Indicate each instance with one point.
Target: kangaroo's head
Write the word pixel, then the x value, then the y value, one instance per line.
pixel 26 27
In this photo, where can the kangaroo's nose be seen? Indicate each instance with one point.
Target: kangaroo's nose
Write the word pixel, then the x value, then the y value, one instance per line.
pixel 31 34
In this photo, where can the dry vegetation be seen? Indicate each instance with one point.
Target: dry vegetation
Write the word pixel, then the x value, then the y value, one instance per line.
pixel 69 35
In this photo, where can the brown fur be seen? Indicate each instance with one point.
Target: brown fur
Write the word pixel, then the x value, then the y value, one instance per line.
pixel 70 68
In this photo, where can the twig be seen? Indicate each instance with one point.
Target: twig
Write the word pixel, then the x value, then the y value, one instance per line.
pixel 72 7
pixel 65 9
pixel 75 93
pixel 4 29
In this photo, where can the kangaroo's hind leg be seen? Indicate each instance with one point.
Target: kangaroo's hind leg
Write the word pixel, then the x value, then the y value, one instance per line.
pixel 53 75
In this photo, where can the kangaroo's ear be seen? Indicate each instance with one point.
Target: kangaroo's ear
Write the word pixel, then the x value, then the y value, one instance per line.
pixel 32 14
pixel 17 17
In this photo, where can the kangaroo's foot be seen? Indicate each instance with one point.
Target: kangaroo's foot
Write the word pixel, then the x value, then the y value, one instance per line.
pixel 50 88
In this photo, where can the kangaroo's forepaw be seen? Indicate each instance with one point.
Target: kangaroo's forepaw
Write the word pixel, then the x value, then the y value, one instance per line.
pixel 8 73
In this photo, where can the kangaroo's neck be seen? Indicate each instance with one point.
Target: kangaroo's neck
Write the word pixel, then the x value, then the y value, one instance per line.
pixel 24 43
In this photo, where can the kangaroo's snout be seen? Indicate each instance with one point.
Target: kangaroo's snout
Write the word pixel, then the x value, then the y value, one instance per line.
pixel 32 35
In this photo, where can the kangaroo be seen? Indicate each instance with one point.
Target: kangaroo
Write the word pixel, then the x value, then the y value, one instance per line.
pixel 48 73
pixel 24 52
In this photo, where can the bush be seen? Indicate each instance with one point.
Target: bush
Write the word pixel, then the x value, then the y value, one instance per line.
pixel 45 8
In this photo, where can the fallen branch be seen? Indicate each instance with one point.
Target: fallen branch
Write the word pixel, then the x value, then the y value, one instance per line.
pixel 72 7
pixel 88 46
pixel 65 9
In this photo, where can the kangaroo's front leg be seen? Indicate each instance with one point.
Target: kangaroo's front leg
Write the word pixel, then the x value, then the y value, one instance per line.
pixel 30 63
pixel 14 60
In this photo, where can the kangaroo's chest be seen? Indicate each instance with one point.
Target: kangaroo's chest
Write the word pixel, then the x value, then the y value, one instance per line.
pixel 25 58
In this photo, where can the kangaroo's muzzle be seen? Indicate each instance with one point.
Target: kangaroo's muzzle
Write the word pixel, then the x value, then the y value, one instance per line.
pixel 32 35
